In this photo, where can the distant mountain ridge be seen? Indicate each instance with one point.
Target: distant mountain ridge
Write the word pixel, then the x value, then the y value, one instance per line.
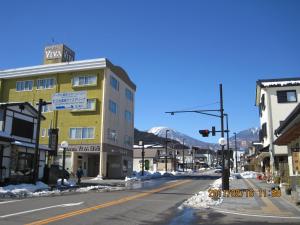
pixel 244 137
pixel 178 136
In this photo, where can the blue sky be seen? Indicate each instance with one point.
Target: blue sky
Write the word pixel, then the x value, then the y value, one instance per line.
pixel 177 52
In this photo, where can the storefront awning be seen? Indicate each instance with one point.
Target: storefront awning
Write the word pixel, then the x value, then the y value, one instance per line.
pixel 289 135
pixel 263 155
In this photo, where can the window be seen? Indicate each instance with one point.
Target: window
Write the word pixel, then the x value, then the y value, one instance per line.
pixel 24 85
pixel 128 94
pixel 22 128
pixel 82 133
pixel 128 140
pixel 90 106
pixel 113 107
pixel 112 135
pixel 286 96
pixel 84 80
pixel 47 108
pixel 47 83
pixel 128 116
pixel 44 131
pixel 114 83
pixel 264 130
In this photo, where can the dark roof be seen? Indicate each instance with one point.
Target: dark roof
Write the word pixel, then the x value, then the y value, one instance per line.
pixel 25 104
pixel 288 120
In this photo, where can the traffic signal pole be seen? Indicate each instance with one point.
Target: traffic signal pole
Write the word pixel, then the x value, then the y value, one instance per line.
pixel 225 174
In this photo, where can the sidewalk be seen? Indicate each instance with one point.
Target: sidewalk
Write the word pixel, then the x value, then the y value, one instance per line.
pixel 261 203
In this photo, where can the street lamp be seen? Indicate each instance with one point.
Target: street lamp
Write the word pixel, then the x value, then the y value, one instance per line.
pixel 141 143
pixel 236 165
pixel 64 145
pixel 166 153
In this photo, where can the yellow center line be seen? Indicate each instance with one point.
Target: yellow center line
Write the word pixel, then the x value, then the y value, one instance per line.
pixel 107 204
pixel 270 207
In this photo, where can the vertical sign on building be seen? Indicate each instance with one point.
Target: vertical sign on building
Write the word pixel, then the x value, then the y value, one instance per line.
pixel 53 140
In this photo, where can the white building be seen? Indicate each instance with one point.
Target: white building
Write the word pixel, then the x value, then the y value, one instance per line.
pixel 18 123
pixel 275 98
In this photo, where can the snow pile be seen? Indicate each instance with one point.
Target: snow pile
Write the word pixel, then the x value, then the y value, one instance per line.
pixel 147 175
pixel 203 200
pixel 67 182
pixel 23 189
pixel 100 188
pixel 248 174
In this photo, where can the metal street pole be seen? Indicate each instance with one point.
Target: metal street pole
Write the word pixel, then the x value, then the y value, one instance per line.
pixel 37 142
pixel 225 182
pixel 63 165
pixel 183 155
pixel 236 165
pixel 228 148
pixel 143 158
pixel 166 153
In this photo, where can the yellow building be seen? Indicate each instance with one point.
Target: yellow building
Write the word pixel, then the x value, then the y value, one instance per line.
pixel 100 137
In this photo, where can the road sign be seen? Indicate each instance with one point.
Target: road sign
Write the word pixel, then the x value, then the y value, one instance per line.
pixel 69 100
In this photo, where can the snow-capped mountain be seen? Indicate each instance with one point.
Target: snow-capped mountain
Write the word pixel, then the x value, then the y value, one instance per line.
pixel 244 137
pixel 178 136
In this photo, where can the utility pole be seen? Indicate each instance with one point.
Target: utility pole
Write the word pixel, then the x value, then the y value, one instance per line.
pixel 37 142
pixel 228 148
pixel 236 164
pixel 209 112
pixel 143 156
pixel 225 179
pixel 183 154
pixel 166 153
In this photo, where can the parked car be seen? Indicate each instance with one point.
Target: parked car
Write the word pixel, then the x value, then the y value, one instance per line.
pixel 218 171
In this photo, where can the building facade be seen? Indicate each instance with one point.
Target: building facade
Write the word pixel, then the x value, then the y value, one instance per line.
pixel 289 135
pixel 18 124
pixel 275 98
pixel 100 136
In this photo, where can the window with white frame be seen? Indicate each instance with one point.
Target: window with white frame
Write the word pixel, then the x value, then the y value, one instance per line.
pixel 25 85
pixel 114 83
pixel 45 108
pixel 128 116
pixel 90 106
pixel 129 94
pixel 113 107
pixel 84 80
pixel 82 133
pixel 112 135
pixel 44 132
pixel 46 83
pixel 128 140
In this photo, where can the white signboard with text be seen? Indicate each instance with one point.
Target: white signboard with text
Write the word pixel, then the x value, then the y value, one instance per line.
pixel 69 100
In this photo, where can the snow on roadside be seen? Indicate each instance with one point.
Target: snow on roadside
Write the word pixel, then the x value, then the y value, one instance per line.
pixel 249 174
pixel 137 176
pixel 202 199
pixel 23 189
pixel 41 189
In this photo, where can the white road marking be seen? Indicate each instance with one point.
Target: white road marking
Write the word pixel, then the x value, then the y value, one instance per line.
pixel 257 215
pixel 40 209
pixel 10 201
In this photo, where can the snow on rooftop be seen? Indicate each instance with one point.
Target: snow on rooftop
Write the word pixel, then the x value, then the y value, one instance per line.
pixel 280 83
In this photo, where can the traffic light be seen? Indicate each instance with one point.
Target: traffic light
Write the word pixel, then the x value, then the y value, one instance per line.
pixel 204 133
pixel 213 131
